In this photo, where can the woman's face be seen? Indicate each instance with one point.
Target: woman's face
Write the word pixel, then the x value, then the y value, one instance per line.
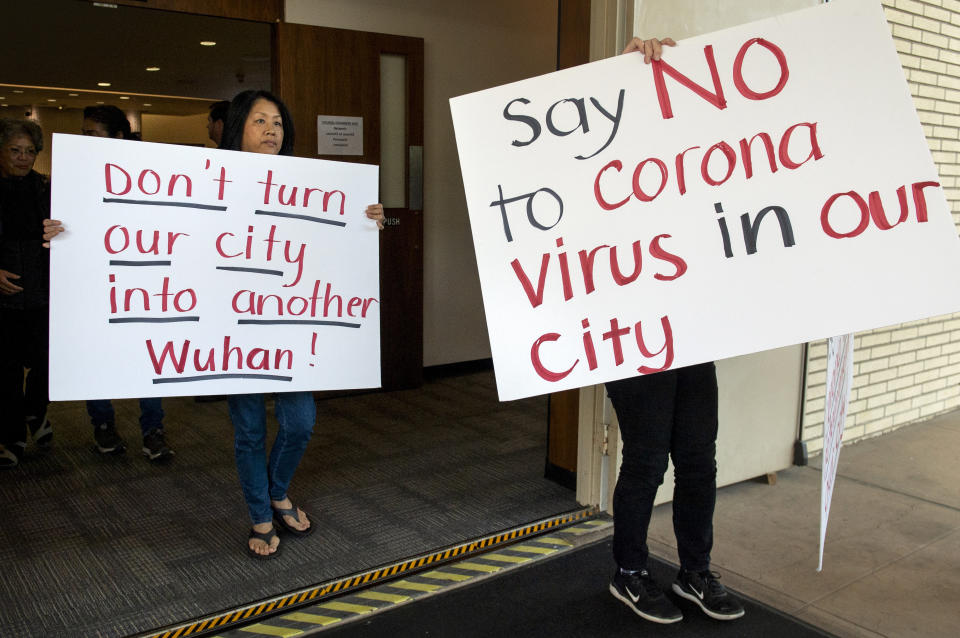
pixel 17 156
pixel 263 129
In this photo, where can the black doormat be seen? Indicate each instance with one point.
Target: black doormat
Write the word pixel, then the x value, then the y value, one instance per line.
pixel 564 596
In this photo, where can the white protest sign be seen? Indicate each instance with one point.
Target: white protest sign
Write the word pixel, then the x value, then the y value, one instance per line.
pixel 187 271
pixel 764 185
pixel 839 380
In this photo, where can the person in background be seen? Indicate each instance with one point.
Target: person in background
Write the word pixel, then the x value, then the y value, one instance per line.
pixel 108 121
pixel 258 122
pixel 215 121
pixel 24 292
pixel 668 414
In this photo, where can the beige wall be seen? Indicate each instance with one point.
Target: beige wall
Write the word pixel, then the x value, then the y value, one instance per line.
pixel 468 46
pixel 53 120
pixel 686 18
pixel 170 129
pixel 175 129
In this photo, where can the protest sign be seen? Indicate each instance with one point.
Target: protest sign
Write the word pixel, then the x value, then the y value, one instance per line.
pixel 187 271
pixel 761 186
pixel 839 380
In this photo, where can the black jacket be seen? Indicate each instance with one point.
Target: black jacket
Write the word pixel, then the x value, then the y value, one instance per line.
pixel 24 204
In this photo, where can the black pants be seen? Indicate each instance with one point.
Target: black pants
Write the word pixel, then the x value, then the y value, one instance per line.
pixel 669 413
pixel 23 344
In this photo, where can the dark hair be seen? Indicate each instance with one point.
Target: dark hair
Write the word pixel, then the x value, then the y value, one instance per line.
pixel 10 128
pixel 218 110
pixel 237 116
pixel 111 117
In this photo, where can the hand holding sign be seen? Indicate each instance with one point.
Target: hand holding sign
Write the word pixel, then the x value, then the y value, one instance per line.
pixel 51 228
pixel 652 49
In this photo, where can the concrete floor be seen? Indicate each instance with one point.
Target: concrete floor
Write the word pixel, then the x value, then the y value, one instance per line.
pixel 891 563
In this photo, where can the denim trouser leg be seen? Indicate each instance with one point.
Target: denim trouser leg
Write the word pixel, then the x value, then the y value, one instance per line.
pixel 100 411
pixel 250 448
pixel 296 413
pixel 151 415
pixel 669 413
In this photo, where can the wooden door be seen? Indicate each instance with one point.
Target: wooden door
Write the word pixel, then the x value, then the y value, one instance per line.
pixel 573 48
pixel 256 10
pixel 336 72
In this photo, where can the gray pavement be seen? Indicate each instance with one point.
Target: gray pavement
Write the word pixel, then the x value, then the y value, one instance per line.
pixel 891 563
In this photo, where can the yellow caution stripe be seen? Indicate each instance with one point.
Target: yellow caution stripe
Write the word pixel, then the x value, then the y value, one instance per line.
pixel 317 594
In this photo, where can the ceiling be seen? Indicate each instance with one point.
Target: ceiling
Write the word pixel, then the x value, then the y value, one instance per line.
pixel 54 48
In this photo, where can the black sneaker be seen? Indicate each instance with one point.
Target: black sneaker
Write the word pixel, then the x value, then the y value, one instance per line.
pixel 705 589
pixel 41 431
pixel 639 592
pixel 107 440
pixel 155 447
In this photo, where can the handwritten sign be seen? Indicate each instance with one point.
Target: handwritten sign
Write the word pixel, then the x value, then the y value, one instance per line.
pixel 839 380
pixel 761 186
pixel 200 271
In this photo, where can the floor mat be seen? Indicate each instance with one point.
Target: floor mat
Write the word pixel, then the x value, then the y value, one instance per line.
pixel 107 546
pixel 564 596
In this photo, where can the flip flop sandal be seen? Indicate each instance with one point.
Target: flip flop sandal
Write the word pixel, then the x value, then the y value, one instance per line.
pixel 41 431
pixel 266 537
pixel 279 513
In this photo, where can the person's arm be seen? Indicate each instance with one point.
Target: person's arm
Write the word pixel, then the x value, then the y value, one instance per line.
pixel 652 49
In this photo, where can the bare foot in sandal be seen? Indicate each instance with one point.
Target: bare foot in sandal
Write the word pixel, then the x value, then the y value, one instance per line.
pixel 298 523
pixel 258 545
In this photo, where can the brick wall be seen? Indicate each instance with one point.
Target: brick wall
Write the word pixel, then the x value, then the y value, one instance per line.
pixel 909 372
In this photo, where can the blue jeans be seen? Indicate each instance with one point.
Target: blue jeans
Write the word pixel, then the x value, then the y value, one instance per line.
pixel 261 480
pixel 669 413
pixel 151 413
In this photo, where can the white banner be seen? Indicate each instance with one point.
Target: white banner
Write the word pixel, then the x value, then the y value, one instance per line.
pixel 839 380
pixel 762 186
pixel 187 271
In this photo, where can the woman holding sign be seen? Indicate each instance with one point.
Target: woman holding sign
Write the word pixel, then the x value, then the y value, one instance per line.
pixel 258 122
